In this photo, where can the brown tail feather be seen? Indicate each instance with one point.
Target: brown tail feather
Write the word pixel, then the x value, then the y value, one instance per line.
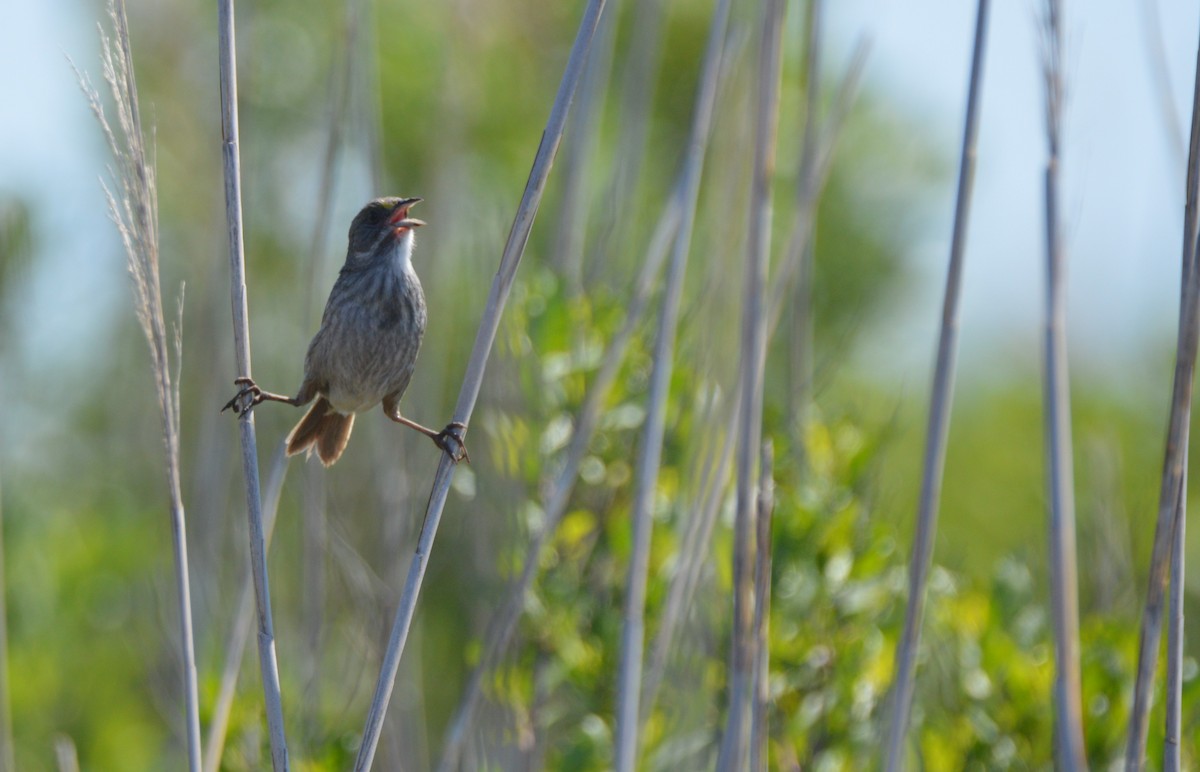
pixel 322 429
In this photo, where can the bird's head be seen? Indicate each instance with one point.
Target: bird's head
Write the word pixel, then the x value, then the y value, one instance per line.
pixel 381 226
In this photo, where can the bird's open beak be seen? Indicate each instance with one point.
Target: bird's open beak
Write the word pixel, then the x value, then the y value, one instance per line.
pixel 400 218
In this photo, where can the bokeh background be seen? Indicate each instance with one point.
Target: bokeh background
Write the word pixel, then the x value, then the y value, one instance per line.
pixel 447 101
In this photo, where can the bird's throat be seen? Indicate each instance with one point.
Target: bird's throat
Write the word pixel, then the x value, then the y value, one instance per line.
pixel 401 252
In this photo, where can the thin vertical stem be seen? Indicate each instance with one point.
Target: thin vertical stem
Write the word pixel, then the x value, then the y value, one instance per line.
pixel 577 156
pixel 133 207
pixel 939 416
pixel 239 632
pixel 65 754
pixel 629 684
pixel 637 94
pixel 801 333
pixel 1064 596
pixel 754 329
pixel 8 761
pixel 1160 76
pixel 1172 758
pixel 473 380
pixel 759 718
pixel 1175 455
pixel 268 664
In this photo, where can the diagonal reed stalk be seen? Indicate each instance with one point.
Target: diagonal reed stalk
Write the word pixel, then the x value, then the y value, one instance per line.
pixel 473 380
pixel 1064 594
pixel 268 664
pixel 1171 496
pixel 629 683
pixel 133 207
pixel 939 417
pixel 734 745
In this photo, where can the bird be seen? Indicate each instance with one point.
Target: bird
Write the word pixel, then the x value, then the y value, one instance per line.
pixel 366 348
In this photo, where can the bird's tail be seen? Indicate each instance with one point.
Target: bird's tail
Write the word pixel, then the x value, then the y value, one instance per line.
pixel 324 429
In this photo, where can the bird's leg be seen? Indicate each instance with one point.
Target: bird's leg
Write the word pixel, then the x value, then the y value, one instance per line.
pixel 450 439
pixel 250 395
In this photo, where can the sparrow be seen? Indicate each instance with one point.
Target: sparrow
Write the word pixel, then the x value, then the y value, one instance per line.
pixel 366 349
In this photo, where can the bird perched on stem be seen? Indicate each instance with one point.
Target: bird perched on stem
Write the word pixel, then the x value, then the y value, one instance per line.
pixel 367 346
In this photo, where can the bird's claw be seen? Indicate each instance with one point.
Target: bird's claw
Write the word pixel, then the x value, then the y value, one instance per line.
pixel 451 441
pixel 240 404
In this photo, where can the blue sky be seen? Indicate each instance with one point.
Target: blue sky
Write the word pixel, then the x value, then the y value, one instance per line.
pixel 1123 178
pixel 1122 173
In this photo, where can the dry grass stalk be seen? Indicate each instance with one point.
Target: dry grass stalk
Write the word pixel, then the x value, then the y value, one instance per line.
pixel 473 380
pixel 753 359
pixel 629 685
pixel 1170 493
pixel 939 416
pixel 133 207
pixel 268 664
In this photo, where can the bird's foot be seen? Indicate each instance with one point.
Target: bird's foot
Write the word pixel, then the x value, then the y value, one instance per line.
pixel 451 441
pixel 249 396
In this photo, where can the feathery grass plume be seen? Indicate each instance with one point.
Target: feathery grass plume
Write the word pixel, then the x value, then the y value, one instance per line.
pixel 133 206
pixel 267 661
pixel 514 248
pixel 734 745
pixel 1064 594
pixel 938 428
pixel 1171 498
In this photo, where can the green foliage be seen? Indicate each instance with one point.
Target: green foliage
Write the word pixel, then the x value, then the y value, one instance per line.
pixel 464 89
